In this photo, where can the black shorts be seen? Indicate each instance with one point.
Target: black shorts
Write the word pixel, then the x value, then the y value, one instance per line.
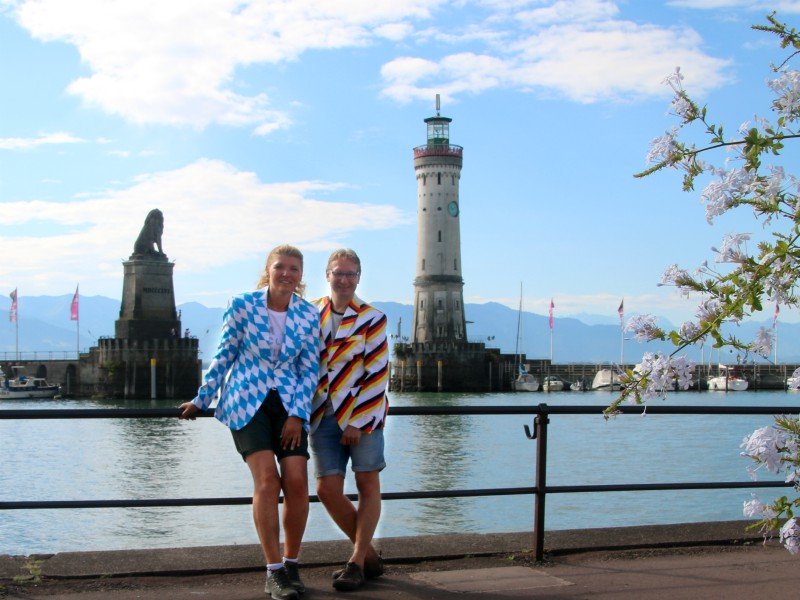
pixel 263 432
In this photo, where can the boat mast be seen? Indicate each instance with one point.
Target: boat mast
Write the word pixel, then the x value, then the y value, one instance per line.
pixel 519 321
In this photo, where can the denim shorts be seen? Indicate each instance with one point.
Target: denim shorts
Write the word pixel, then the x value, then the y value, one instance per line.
pixel 330 456
pixel 263 431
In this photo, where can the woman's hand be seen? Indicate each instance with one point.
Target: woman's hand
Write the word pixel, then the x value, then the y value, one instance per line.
pixel 188 411
pixel 292 433
pixel 351 436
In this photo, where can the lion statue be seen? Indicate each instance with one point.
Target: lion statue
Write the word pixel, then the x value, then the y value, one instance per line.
pixel 150 234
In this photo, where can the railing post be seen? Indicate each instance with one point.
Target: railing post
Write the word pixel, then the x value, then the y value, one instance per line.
pixel 540 431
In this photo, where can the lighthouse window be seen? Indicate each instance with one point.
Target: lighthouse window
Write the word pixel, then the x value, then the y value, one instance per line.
pixel 457 304
pixel 440 304
pixel 439 176
pixel 454 179
pixel 440 235
pixel 421 303
pixel 424 179
pixel 455 264
pixel 423 264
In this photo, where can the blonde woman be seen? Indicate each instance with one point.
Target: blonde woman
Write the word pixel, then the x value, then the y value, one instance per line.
pixel 266 367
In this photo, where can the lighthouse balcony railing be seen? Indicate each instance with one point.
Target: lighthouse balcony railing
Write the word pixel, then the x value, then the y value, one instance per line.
pixel 438 150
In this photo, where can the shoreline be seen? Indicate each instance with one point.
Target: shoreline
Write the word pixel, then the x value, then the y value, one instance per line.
pixel 203 560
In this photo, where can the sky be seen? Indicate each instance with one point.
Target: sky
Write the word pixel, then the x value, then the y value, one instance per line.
pixel 255 123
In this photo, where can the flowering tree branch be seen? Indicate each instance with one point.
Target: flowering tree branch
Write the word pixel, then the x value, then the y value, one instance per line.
pixel 742 279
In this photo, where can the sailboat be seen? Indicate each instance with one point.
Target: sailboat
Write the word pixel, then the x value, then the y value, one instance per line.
pixel 728 379
pixel 525 382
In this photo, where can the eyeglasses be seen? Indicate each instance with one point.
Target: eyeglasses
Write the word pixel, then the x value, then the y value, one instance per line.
pixel 351 275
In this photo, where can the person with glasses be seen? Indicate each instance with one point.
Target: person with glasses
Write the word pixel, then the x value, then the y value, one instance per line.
pixel 266 370
pixel 349 413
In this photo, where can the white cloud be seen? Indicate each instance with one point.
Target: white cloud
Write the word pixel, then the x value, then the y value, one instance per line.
pixel 226 216
pixel 569 11
pixel 174 62
pixel 607 60
pixel 45 139
pixel 765 6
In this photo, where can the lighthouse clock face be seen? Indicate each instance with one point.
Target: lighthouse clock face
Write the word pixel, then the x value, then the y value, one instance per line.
pixel 452 208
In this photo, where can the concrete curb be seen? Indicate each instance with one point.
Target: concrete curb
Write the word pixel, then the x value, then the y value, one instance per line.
pixel 221 559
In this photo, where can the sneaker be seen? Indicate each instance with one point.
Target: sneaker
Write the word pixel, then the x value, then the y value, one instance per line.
pixel 352 578
pixel 293 570
pixel 372 569
pixel 279 587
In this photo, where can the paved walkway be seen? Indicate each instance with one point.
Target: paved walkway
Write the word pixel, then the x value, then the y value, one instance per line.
pixel 712 560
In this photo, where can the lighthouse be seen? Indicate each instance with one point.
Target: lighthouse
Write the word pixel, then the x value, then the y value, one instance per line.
pixel 438 285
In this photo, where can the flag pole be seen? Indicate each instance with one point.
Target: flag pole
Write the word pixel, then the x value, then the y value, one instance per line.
pixel 621 312
pixel 16 329
pixel 75 315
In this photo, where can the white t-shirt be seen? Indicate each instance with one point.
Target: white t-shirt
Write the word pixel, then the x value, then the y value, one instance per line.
pixel 277 331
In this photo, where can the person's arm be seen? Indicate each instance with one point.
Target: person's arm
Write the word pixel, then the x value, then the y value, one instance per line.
pixel 227 351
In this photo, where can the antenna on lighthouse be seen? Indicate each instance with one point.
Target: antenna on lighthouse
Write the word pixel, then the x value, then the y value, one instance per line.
pixel 438 104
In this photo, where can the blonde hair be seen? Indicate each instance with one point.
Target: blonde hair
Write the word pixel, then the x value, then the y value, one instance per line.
pixel 282 250
pixel 346 253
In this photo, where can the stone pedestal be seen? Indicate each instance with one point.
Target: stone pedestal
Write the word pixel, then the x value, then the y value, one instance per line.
pixel 148 301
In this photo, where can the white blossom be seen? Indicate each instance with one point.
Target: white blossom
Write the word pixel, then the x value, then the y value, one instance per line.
pixel 722 194
pixel 773 185
pixel 755 509
pixel 708 309
pixel 790 535
pixel 663 147
pixel 644 327
pixel 689 330
pixel 674 79
pixel 683 108
pixel 787 86
pixel 762 345
pixel 662 372
pixel 766 446
pixel 731 250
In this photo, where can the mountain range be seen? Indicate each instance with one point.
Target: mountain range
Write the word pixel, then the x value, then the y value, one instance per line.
pixel 45 326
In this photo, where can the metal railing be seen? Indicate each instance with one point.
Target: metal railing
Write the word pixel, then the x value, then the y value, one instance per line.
pixel 539 490
pixel 34 355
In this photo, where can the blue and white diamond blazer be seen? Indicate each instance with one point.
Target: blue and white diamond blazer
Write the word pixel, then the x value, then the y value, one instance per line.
pixel 244 361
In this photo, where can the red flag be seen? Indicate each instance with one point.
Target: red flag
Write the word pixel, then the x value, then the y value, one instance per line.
pixel 73 309
pixel 775 318
pixel 12 314
pixel 552 306
pixel 621 311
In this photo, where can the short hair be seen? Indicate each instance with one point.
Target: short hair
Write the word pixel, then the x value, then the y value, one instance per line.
pixel 282 250
pixel 347 253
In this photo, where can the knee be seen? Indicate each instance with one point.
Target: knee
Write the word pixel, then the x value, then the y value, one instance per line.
pixel 328 490
pixel 268 486
pixel 295 483
pixel 368 483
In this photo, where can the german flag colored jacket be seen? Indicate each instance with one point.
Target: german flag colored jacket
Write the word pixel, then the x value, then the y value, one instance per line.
pixel 353 366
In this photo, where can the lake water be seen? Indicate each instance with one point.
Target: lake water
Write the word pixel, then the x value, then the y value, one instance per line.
pixel 164 458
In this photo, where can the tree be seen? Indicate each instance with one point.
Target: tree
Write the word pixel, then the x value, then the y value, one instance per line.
pixel 739 282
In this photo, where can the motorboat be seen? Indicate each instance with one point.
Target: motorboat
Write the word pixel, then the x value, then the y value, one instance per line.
pixel 20 386
pixel 606 379
pixel 728 380
pixel 552 383
pixel 525 382
pixel 793 383
pixel 578 386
